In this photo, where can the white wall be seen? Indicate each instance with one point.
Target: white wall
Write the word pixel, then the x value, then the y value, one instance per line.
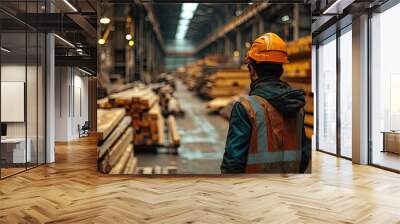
pixel 33 127
pixel 71 102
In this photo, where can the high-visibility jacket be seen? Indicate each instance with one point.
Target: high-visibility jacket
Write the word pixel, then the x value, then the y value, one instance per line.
pixel 276 139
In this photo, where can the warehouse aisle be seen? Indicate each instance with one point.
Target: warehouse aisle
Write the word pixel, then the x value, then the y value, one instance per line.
pixel 202 139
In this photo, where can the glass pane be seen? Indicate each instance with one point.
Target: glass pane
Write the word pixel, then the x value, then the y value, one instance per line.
pixel 41 99
pixel 14 153
pixel 32 96
pixel 327 96
pixel 385 83
pixel 346 94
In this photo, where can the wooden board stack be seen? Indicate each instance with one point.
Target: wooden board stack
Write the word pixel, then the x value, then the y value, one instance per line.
pixel 218 104
pixel 225 83
pixel 141 104
pixel 115 135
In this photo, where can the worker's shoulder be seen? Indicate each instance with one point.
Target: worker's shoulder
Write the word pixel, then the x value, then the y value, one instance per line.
pixel 242 105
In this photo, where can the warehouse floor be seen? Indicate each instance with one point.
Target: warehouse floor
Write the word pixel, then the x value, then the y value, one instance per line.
pixel 202 139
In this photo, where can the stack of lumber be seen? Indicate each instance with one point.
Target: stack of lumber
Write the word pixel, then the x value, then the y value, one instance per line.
pixel 194 72
pixel 103 103
pixel 218 104
pixel 115 149
pixel 141 104
pixel 226 83
pixel 173 131
pixel 298 74
pixel 168 101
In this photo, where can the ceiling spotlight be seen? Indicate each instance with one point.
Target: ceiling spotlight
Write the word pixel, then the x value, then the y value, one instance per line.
pixel 128 36
pixel 64 40
pixel 70 5
pixel 285 18
pixel 105 20
pixel 101 41
pixel 131 43
pixel 5 50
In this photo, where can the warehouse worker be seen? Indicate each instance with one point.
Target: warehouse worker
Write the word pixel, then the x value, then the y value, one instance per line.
pixel 266 129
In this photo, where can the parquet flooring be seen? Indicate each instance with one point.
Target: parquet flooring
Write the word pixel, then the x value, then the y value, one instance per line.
pixel 71 191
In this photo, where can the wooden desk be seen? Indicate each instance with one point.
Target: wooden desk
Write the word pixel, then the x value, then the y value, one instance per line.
pixel 13 150
pixel 391 141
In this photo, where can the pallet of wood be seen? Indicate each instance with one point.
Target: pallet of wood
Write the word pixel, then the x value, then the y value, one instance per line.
pixel 218 104
pixel 115 148
pixel 173 131
pixel 225 83
pixel 141 104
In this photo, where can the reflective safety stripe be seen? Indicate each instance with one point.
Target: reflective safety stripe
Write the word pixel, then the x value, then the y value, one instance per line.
pixel 272 157
pixel 262 133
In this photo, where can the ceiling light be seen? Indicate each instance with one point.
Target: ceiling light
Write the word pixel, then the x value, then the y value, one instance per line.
pixel 189 6
pixel 70 5
pixel 236 53
pixel 64 40
pixel 101 41
pixel 184 22
pixel 338 6
pixel 285 18
pixel 79 50
pixel 5 50
pixel 186 15
pixel 84 71
pixel 131 43
pixel 128 36
pixel 238 12
pixel 105 20
pixel 183 27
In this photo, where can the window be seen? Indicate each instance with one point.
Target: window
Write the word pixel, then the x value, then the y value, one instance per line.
pixel 346 92
pixel 385 89
pixel 327 96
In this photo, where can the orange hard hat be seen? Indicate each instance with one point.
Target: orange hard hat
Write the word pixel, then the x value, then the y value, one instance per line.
pixel 269 48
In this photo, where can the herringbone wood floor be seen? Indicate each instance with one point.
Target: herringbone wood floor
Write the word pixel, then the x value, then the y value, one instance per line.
pixel 71 191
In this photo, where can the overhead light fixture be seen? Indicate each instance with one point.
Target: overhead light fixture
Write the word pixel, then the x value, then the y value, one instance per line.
pixel 101 41
pixel 128 36
pixel 64 40
pixel 184 22
pixel 84 71
pixel 105 20
pixel 131 43
pixel 236 53
pixel 338 6
pixel 70 5
pixel 191 7
pixel 5 50
pixel 285 18
pixel 186 15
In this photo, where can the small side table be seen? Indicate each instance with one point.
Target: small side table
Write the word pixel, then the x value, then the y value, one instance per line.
pixel 391 141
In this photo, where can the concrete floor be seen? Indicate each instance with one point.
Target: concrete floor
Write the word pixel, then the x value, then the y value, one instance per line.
pixel 202 139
